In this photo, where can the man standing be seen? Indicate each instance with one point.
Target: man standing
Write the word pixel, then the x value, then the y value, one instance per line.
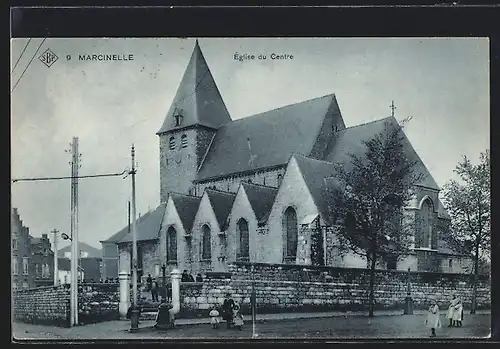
pixel 149 282
pixel 154 291
pixel 451 309
pixel 227 309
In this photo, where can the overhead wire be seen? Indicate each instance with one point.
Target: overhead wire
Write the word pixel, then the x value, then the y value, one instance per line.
pixel 22 53
pixel 29 63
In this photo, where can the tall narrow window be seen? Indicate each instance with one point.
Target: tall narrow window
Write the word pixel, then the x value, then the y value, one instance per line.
pixel 280 179
pixel 15 266
pixel 206 251
pixel 37 271
pixel 290 223
pixel 243 250
pixel 184 141
pixel 14 244
pixel 171 244
pixel 427 224
pixel 178 120
pixel 171 143
pixel 25 265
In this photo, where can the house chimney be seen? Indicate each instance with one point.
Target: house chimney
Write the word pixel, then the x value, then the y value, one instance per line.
pixel 45 237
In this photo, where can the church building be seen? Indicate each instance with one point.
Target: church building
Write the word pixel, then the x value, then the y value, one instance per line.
pixel 253 189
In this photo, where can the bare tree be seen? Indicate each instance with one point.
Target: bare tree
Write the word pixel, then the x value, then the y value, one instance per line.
pixel 468 201
pixel 367 200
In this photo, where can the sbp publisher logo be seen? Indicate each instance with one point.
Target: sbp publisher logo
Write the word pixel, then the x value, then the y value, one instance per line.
pixel 48 57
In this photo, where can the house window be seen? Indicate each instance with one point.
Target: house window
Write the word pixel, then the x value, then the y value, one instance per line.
pixel 450 263
pixel 206 248
pixel 171 244
pixel 243 251
pixel 392 263
pixel 14 286
pixel 171 143
pixel 184 141
pixel 37 271
pixel 25 265
pixel 14 244
pixel 25 285
pixel 280 179
pixel 290 222
pixel 15 270
pixel 157 270
pixel 46 272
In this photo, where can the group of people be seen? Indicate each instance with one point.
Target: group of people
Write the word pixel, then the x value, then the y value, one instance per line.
pixel 455 314
pixel 186 277
pixel 230 313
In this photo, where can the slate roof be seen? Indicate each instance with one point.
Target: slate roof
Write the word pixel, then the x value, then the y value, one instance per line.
pixel 186 207
pixel 261 199
pixel 35 241
pixel 92 251
pixel 65 264
pixel 350 140
pixel 198 99
pixel 314 173
pixel 266 139
pixel 148 226
pixel 221 202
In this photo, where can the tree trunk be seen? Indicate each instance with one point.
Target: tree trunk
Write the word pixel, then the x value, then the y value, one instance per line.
pixel 371 301
pixel 475 280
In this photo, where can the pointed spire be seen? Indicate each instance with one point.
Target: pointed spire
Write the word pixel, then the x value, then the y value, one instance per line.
pixel 198 100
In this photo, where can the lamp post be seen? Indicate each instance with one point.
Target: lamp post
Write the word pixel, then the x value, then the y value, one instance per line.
pixel 253 303
pixel 164 282
pixel 408 310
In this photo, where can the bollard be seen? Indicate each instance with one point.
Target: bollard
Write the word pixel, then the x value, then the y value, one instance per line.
pixel 124 305
pixel 176 299
pixel 134 319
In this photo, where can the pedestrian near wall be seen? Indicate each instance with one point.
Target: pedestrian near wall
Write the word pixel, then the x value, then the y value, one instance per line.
pixel 433 320
pixel 458 314
pixel 451 309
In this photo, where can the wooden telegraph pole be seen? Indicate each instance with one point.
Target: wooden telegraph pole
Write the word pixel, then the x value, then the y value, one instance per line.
pixel 74 231
pixel 134 326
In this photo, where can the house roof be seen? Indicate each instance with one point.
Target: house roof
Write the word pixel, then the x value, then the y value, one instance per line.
pixel 198 99
pixel 119 235
pixel 186 207
pixel 261 199
pixel 148 226
pixel 35 241
pixel 221 202
pixel 65 264
pixel 266 139
pixel 314 173
pixel 350 141
pixel 92 251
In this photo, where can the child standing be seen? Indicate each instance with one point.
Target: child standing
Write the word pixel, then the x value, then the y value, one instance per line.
pixel 433 320
pixel 214 318
pixel 237 317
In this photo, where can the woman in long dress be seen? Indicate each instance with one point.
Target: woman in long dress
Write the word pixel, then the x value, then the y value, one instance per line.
pixel 433 320
pixel 451 309
pixel 458 314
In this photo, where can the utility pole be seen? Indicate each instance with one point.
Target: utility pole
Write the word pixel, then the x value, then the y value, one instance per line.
pixel 74 231
pixel 134 326
pixel 56 260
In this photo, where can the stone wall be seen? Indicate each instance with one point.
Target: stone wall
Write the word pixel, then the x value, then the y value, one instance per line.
pixel 286 288
pixel 42 305
pixel 51 305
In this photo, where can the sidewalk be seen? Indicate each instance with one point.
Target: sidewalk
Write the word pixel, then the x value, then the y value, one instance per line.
pixel 297 315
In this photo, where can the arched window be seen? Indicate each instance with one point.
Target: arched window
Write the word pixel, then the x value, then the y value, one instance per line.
pixel 171 245
pixel 244 246
pixel 280 179
pixel 426 216
pixel 178 119
pixel 184 141
pixel 171 143
pixel 206 248
pixel 291 227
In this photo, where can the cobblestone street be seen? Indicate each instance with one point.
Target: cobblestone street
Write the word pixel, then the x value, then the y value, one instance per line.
pixel 338 327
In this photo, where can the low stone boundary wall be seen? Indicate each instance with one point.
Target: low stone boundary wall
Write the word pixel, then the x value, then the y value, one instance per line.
pixel 326 289
pixel 51 305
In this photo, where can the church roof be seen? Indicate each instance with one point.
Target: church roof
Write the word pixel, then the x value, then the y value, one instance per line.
pixel 261 199
pixel 314 173
pixel 186 207
pixel 198 99
pixel 221 202
pixel 266 139
pixel 147 226
pixel 350 141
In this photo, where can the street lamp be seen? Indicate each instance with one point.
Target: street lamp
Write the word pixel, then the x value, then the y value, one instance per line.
pixel 66 237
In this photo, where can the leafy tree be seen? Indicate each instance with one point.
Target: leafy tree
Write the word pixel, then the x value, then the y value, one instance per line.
pixel 468 201
pixel 366 202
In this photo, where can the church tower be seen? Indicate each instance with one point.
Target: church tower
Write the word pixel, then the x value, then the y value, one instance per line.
pixel 196 113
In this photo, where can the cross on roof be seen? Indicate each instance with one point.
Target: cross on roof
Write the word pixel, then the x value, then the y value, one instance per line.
pixel 393 107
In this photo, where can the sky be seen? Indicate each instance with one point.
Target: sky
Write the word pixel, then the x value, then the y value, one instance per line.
pixel 443 84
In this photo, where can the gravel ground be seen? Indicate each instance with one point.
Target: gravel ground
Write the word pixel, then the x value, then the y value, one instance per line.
pixel 337 327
